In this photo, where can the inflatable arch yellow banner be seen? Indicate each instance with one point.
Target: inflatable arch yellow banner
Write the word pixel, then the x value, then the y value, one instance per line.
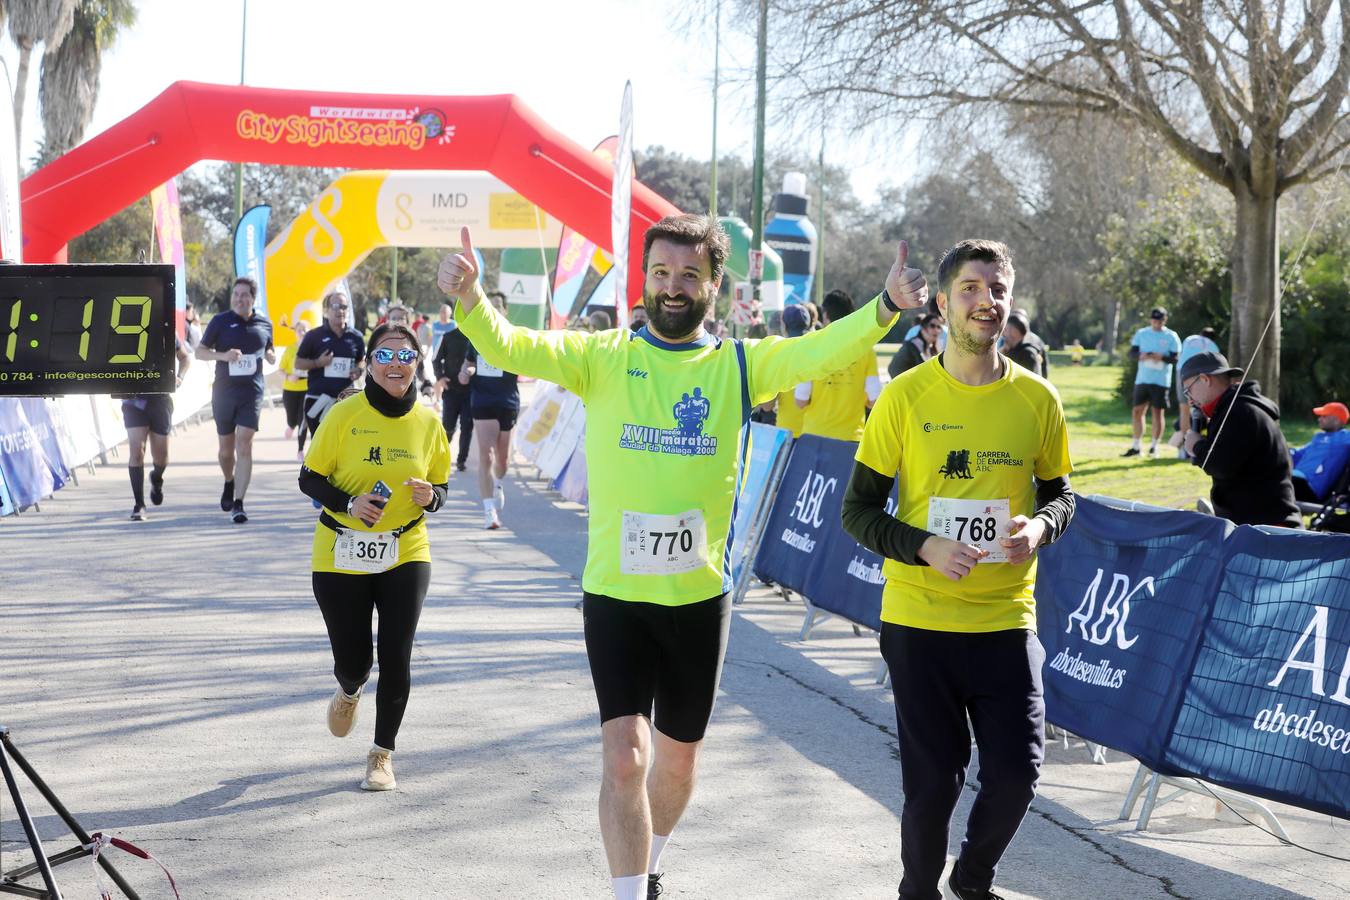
pixel 363 211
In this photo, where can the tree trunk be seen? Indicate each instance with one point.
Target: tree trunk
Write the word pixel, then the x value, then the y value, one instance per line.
pixel 1256 287
pixel 1111 335
pixel 21 87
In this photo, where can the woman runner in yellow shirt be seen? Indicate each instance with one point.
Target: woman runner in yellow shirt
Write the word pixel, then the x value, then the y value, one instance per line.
pixel 378 463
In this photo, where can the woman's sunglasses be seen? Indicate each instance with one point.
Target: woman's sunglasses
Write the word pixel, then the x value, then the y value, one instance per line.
pixel 385 355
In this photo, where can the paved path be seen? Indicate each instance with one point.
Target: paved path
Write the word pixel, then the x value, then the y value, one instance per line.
pixel 169 679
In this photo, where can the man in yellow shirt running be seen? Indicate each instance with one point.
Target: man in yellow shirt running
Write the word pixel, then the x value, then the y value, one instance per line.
pixel 667 410
pixel 981 452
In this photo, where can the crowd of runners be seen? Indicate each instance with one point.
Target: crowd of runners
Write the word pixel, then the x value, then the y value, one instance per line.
pixel 668 404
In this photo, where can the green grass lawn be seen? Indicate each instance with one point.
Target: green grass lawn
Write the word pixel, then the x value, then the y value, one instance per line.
pixel 1099 431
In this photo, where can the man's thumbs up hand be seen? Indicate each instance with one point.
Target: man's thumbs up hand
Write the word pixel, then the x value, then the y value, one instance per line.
pixel 458 273
pixel 907 287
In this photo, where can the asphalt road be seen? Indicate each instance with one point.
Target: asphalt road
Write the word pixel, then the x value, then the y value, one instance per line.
pixel 169 679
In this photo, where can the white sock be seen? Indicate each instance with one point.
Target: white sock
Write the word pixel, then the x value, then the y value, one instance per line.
pixel 654 861
pixel 1135 443
pixel 376 748
pixel 489 504
pixel 630 887
pixel 496 483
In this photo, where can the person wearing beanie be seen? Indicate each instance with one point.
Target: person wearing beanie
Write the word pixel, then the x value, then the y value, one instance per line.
pixel 1242 447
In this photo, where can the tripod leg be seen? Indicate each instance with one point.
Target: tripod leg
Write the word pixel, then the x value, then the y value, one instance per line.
pixel 59 808
pixel 34 842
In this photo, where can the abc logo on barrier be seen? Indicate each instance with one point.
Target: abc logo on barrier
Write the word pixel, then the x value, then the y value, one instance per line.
pixel 811 497
pixel 1114 612
pixel 1316 667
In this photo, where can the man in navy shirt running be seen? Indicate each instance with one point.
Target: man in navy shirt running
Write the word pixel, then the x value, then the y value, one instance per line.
pixel 332 355
pixel 238 339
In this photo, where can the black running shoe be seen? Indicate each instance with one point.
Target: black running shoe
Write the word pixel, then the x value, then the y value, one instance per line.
pixel 963 893
pixel 157 489
pixel 138 514
pixel 238 513
pixel 461 465
pixel 227 497
pixel 654 885
pixel 1133 451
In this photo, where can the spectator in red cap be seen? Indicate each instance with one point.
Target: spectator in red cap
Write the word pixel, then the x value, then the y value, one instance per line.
pixel 1318 464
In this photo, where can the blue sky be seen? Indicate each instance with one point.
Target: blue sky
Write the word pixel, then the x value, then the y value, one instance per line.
pixel 570 68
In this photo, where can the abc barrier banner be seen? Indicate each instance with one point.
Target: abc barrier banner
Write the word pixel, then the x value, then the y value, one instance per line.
pixel 30 453
pixel 1121 600
pixel 806 549
pixel 1267 707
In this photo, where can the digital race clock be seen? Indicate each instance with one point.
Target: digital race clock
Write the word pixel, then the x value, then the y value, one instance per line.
pixel 86 329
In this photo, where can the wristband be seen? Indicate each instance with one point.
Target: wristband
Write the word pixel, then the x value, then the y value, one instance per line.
pixel 889 303
pixel 350 503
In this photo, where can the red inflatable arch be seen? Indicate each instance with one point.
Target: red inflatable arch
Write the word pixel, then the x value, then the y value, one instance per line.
pixel 191 122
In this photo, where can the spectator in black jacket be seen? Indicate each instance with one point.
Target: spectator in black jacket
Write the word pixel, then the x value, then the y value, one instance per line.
pixel 1243 449
pixel 453 389
pixel 1020 350
pixel 918 349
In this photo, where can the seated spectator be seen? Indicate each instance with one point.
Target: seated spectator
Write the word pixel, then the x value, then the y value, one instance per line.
pixel 1021 351
pixel 920 348
pixel 1242 449
pixel 1319 464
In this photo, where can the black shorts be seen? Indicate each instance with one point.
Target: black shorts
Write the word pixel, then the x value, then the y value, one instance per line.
pixel 645 653
pixel 1155 395
pixel 235 409
pixel 153 411
pixel 505 417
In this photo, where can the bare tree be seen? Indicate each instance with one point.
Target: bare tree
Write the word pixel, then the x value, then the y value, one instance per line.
pixel 33 22
pixel 1252 95
pixel 70 72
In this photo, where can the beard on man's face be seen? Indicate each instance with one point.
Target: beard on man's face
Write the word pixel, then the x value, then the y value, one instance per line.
pixel 676 323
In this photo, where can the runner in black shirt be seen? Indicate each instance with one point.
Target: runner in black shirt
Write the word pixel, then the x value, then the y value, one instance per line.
pixel 238 339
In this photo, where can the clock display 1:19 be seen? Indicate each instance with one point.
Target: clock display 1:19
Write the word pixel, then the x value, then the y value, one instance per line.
pixel 97 328
pixel 71 326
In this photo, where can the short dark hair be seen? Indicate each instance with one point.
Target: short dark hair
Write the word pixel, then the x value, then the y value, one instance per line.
pixel 927 319
pixel 383 331
pixel 971 249
pixel 690 231
pixel 837 304
pixel 1207 332
pixel 248 282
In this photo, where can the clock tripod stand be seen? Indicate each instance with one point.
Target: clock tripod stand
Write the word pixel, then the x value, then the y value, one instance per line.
pixel 43 864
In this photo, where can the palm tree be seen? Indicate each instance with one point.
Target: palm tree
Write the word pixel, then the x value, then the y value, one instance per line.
pixel 70 73
pixel 32 22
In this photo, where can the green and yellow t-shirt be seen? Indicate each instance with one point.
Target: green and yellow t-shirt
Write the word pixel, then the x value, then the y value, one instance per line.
pixel 838 406
pixel 665 430
pixel 356 446
pixel 942 438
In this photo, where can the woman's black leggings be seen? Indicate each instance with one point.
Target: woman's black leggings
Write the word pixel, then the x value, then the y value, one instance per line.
pixel 294 404
pixel 347 602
